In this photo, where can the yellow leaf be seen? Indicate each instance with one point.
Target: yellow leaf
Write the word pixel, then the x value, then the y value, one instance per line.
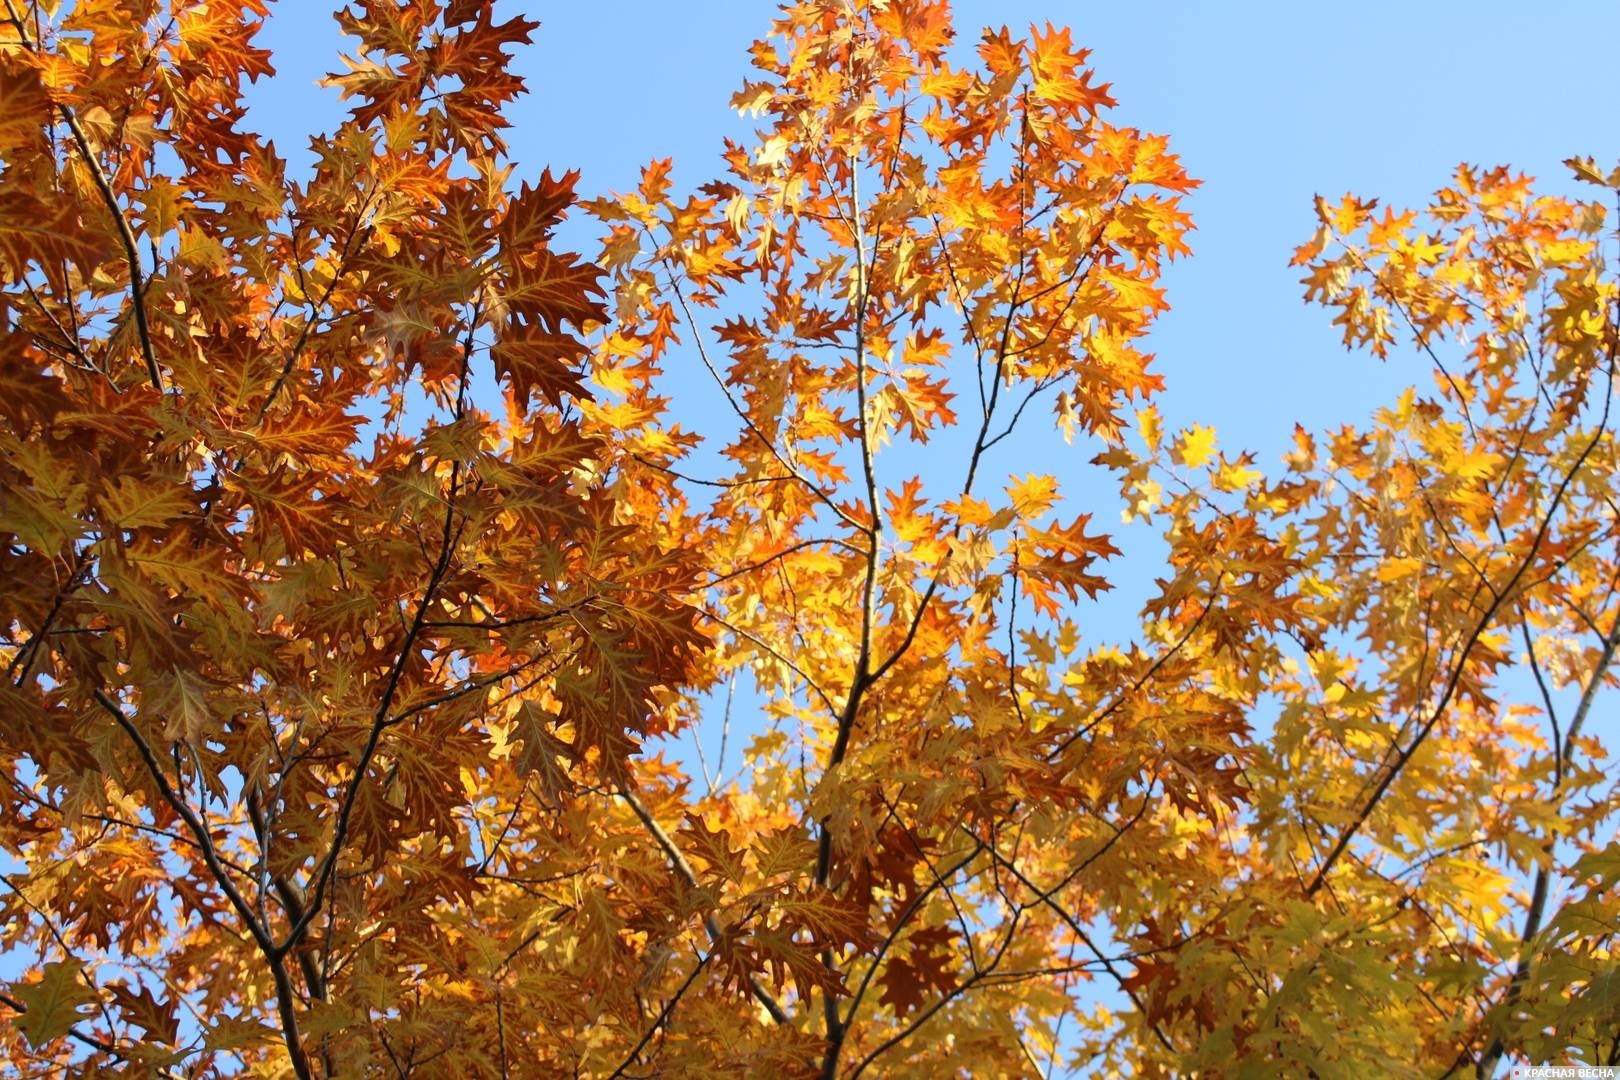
pixel 1033 495
pixel 54 1003
pixel 1236 476
pixel 1147 422
pixel 131 502
pixel 1401 566
pixel 1196 446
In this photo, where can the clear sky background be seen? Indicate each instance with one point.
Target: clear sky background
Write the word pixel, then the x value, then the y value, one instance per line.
pixel 1269 103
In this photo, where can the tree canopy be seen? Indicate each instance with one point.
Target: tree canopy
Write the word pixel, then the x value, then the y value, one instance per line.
pixel 359 558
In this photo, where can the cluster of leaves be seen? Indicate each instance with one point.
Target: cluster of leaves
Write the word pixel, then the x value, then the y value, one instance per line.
pixel 297 631
pixel 1427 609
pixel 353 553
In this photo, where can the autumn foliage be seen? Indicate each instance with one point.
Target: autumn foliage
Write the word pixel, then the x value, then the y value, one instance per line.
pixel 362 569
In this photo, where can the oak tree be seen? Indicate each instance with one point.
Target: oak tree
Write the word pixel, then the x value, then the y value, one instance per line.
pixel 360 568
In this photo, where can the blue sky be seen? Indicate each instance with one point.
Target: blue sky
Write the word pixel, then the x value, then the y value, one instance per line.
pixel 1269 103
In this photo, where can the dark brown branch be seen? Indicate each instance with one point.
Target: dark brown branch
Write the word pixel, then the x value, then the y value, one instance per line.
pixel 1458 671
pixel 1540 886
pixel 748 421
pixel 1047 897
pixel 23 663
pixel 285 998
pixel 890 940
pixel 658 1021
pixel 297 350
pixel 292 900
pixel 109 198
pixel 678 861
pixel 979 977
pixel 449 536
